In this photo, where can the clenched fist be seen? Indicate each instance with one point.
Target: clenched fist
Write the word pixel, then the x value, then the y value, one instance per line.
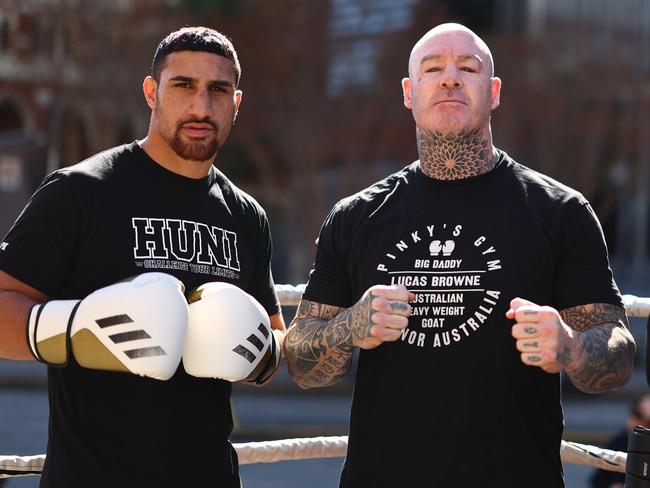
pixel 380 315
pixel 543 338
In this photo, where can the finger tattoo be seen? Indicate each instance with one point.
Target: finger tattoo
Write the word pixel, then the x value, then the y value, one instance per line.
pixel 530 330
pixel 399 307
pixel 531 344
pixel 534 359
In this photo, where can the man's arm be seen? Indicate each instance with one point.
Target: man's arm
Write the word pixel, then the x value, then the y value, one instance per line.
pixel 591 343
pixel 16 299
pixel 317 345
pixel 321 338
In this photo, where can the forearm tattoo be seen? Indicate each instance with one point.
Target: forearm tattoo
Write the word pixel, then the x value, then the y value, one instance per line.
pixel 584 317
pixel 605 347
pixel 453 156
pixel 320 341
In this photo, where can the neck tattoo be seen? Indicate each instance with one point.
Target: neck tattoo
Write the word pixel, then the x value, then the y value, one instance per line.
pixel 455 155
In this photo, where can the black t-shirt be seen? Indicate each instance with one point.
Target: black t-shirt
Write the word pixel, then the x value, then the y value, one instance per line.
pixel 451 404
pixel 113 216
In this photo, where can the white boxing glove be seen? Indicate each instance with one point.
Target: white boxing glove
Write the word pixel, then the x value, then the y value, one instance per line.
pixel 229 336
pixel 136 326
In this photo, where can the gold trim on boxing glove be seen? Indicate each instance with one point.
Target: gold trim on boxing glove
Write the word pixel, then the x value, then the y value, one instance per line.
pixel 196 294
pixel 54 350
pixel 89 352
pixel 261 366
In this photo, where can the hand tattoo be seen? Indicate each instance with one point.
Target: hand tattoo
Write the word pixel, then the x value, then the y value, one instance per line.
pixel 453 156
pixel 563 357
pixel 361 318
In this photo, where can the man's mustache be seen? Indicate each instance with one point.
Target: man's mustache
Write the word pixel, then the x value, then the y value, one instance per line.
pixel 205 120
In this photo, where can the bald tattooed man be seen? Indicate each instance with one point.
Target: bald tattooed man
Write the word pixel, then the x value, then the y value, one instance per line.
pixel 468 282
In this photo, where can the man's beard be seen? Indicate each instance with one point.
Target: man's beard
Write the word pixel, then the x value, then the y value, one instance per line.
pixel 195 150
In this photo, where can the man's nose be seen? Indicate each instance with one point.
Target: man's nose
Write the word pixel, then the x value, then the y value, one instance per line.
pixel 450 78
pixel 201 104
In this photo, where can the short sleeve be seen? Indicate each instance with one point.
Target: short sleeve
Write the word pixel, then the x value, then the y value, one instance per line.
pixel 40 247
pixel 262 286
pixel 583 274
pixel 329 281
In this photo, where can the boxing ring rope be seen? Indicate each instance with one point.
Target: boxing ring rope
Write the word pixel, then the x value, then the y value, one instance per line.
pixel 336 446
pixel 327 447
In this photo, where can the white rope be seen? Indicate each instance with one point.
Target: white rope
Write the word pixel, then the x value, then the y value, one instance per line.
pixel 575 453
pixel 636 306
pixel 11 466
pixel 291 449
pixel 326 447
pixel 289 295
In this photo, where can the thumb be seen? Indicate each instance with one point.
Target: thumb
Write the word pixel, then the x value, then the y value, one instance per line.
pixel 515 303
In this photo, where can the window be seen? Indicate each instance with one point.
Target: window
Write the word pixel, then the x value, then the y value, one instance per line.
pixel 355 30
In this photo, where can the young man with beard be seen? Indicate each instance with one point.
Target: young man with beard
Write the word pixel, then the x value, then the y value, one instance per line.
pixel 467 281
pixel 157 209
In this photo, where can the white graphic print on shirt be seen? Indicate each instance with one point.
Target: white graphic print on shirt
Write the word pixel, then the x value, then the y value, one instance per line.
pixel 185 245
pixel 449 270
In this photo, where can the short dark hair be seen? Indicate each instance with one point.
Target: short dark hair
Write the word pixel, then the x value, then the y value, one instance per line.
pixel 201 39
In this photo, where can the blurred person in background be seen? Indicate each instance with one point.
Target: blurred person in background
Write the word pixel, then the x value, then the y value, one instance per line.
pixel 158 204
pixel 457 381
pixel 639 414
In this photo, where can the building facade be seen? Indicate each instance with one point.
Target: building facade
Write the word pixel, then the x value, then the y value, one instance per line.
pixel 322 114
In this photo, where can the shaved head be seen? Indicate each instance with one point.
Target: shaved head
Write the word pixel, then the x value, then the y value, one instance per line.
pixel 451 87
pixel 421 47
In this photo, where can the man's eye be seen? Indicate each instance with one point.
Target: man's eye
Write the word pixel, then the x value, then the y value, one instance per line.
pixel 182 84
pixel 219 89
pixel 432 69
pixel 468 69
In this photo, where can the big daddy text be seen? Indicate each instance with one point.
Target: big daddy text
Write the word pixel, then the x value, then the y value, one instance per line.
pixel 401 246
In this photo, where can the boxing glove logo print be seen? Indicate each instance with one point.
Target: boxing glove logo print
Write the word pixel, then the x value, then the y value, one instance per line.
pixel 185 245
pixel 129 336
pixel 255 341
pixel 449 270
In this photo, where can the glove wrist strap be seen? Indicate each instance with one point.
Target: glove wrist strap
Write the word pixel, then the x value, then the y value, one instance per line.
pixel 48 328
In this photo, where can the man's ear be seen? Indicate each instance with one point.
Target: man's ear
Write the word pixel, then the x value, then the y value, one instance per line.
pixel 150 89
pixel 406 89
pixel 495 85
pixel 238 96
